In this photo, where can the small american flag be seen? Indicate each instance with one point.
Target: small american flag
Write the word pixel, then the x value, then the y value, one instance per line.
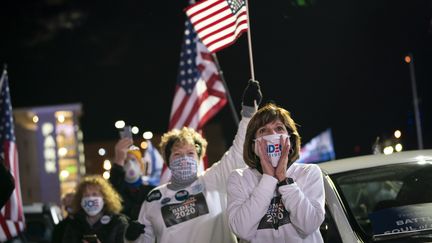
pixel 199 92
pixel 218 23
pixel 11 216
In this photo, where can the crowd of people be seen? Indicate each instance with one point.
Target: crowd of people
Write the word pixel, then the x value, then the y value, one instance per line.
pixel 255 193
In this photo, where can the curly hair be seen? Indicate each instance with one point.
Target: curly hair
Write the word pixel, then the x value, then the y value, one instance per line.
pixel 112 200
pixel 184 136
pixel 266 114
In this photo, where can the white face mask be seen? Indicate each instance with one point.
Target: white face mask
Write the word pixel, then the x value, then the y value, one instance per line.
pixel 184 169
pixel 132 171
pixel 274 148
pixel 92 205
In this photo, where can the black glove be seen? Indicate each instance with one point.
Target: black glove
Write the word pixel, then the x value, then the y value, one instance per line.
pixel 134 230
pixel 251 93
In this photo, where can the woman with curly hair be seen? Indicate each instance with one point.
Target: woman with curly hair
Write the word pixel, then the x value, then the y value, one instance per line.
pixel 95 213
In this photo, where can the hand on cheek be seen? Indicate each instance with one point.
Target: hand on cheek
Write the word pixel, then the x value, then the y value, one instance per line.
pixel 264 159
pixel 282 167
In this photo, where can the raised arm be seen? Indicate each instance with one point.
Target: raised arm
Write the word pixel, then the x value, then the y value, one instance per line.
pixel 233 158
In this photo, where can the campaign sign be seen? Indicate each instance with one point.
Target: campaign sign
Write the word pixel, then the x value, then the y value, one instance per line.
pixel 176 213
pixel 403 219
pixel 275 216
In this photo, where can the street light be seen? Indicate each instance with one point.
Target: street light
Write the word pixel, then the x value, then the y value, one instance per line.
pixel 107 165
pixel 119 124
pixel 388 150
pixel 144 145
pixel 106 175
pixel 148 135
pixel 101 151
pixel 397 134
pixel 398 147
pixel 135 130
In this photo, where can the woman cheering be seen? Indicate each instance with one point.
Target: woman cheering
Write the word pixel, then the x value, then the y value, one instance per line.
pixel 275 199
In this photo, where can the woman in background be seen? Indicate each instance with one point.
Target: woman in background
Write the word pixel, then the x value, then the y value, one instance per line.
pixel 95 213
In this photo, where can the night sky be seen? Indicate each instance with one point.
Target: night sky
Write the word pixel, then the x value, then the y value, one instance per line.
pixel 335 64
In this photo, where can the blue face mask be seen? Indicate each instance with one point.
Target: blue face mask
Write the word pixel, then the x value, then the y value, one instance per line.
pixel 184 169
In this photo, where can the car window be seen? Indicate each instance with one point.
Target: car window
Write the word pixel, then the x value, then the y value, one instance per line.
pixel 369 194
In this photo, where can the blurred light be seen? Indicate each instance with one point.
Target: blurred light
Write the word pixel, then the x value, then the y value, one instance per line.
pixel 62 151
pixel 101 151
pixel 144 145
pixel 80 135
pixel 106 175
pixel 61 118
pixel 35 119
pixel 148 135
pixel 388 150
pixel 82 170
pixel 119 124
pixel 81 147
pixel 135 130
pixel 397 134
pixel 398 147
pixel 107 165
pixel 47 128
pixel 81 158
pixel 407 59
pixel 64 174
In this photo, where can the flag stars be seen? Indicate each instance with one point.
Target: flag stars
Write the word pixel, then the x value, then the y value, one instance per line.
pixel 189 71
pixel 189 61
pixel 183 82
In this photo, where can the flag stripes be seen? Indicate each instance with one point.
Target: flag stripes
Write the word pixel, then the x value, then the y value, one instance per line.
pixel 218 23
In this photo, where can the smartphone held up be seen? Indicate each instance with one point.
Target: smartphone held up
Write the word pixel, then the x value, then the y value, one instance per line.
pixel 126 132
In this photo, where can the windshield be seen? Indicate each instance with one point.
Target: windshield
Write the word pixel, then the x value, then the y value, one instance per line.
pixel 388 200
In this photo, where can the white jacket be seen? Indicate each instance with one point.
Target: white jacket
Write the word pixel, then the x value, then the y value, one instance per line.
pixel 168 217
pixel 259 212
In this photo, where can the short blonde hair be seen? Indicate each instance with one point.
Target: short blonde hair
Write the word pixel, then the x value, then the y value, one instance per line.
pixel 266 114
pixel 112 200
pixel 185 135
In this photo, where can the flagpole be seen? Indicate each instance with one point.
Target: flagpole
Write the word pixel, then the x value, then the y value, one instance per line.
pixel 2 76
pixel 250 42
pixel 415 101
pixel 230 101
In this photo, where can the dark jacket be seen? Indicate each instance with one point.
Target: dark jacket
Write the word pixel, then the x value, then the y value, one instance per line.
pixel 57 235
pixel 109 229
pixel 7 184
pixel 133 196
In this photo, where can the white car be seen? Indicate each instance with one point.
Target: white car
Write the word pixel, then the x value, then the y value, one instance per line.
pixel 379 198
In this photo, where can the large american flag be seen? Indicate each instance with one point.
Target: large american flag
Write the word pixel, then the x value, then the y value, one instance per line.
pixel 218 23
pixel 199 92
pixel 11 216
